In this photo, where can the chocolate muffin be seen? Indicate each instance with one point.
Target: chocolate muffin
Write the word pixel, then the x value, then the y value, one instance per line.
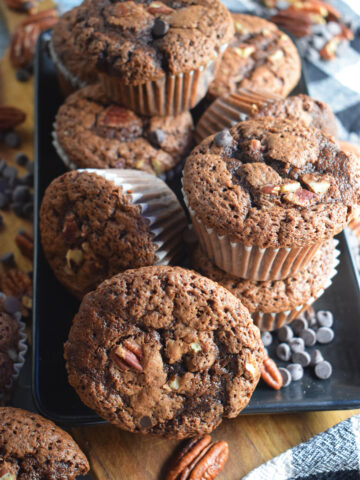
pixel 156 58
pixel 165 351
pixel 97 223
pixel 74 69
pixel 227 111
pixel 91 132
pixel 35 448
pixel 266 194
pixel 9 338
pixel 259 56
pixel 274 303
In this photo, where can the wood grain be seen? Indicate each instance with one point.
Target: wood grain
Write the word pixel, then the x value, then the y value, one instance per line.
pixel 116 455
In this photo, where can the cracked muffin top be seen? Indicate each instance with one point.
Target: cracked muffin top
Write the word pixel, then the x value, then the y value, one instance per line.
pixel 272 183
pixel 163 350
pixel 32 448
pixel 277 295
pixel 259 56
pixel 94 133
pixel 311 112
pixel 80 66
pixel 142 40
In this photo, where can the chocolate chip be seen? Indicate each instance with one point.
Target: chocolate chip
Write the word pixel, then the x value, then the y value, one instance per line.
pixel 283 352
pixel 325 335
pixel 266 338
pixel 298 325
pixel 316 357
pixel 223 139
pixel 8 259
pixel 21 193
pixel 21 159
pixel 22 75
pixel 146 422
pixel 9 172
pixel 297 344
pixel 296 371
pixel 334 28
pixel 325 318
pixel 4 202
pixel 12 305
pixel 27 179
pixel 303 358
pixel 2 165
pixel 323 370
pixel 318 42
pixel 157 136
pixel 286 376
pixel 309 337
pixel 12 139
pixel 160 28
pixel 285 334
pixel 28 210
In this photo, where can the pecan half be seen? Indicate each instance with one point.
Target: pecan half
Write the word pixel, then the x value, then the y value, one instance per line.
pixel 25 242
pixel 128 355
pixel 10 117
pixel 21 5
pixel 200 459
pixel 271 374
pixel 159 8
pixel 299 23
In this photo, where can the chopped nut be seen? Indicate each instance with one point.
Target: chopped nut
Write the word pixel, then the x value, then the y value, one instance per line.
pixel 301 197
pixel 291 186
pixel 245 51
pixel 159 8
pixel 328 52
pixel 128 355
pixel 174 383
pixel 270 189
pixel 74 256
pixel 276 56
pixel 195 346
pixel 239 27
pixel 27 302
pixel 249 367
pixel 86 247
pixel 266 32
pixel 317 184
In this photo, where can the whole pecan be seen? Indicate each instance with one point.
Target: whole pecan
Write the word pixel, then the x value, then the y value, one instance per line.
pixel 128 355
pixel 15 283
pixel 10 117
pixel 25 242
pixel 271 374
pixel 23 41
pixel 299 23
pixel 199 460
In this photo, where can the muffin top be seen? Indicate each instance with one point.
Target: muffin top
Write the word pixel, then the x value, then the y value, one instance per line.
pixel 91 229
pixel 311 112
pixel 142 40
pixel 277 295
pixel 259 56
pixel 76 63
pixel 163 350
pixel 272 183
pixel 33 448
pixel 94 133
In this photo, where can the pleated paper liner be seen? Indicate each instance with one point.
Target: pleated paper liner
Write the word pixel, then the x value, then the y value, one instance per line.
pixel 275 320
pixel 250 262
pixel 225 112
pixel 167 176
pixel 169 95
pixel 159 206
pixel 18 356
pixel 67 81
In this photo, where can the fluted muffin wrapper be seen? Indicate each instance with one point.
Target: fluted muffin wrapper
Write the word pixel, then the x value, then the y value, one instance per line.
pixel 169 95
pixel 159 205
pixel 248 261
pixel 275 320
pixel 167 176
pixel 19 360
pixel 68 82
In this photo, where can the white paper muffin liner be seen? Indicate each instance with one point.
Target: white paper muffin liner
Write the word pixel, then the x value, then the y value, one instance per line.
pixel 250 262
pixel 169 95
pixel 19 357
pixel 159 205
pixel 67 81
pixel 275 320
pixel 166 176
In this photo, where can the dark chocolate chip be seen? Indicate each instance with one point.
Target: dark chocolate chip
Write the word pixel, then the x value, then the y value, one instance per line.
pixel 266 338
pixel 27 179
pixel 21 159
pixel 223 139
pixel 283 352
pixel 325 335
pixel 297 344
pixel 285 333
pixel 22 75
pixel 2 165
pixel 12 140
pixel 157 136
pixel 296 371
pixel 286 376
pixel 325 318
pixel 160 28
pixel 323 370
pixel 4 201
pixel 21 194
pixel 303 358
pixel 9 172
pixel 28 210
pixel 8 259
pixel 146 422
pixel 18 209
pixel 316 357
pixel 298 325
pixel 12 305
pixel 309 337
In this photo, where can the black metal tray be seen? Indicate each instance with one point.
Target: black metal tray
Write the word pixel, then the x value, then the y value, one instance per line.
pixel 54 307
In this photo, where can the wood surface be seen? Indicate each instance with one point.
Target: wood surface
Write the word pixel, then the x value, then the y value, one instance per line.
pixel 117 455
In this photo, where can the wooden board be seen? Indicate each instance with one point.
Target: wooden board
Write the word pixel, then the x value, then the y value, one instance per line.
pixel 116 455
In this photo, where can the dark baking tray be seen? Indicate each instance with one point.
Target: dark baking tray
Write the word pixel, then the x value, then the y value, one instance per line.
pixel 54 307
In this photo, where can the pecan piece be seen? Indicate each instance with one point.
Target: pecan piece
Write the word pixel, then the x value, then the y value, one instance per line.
pixel 271 374
pixel 200 459
pixel 74 257
pixel 25 242
pixel 291 186
pixel 70 230
pixel 10 117
pixel 128 355
pixel 159 8
pixel 301 197
pixel 15 283
pixel 316 183
pixel 244 51
pixel 21 5
pixel 270 189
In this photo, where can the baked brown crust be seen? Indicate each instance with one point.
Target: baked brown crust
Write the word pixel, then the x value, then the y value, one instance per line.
pixel 86 213
pixel 278 295
pixel 198 354
pixel 119 35
pixel 230 188
pixel 94 133
pixel 259 56
pixel 34 447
